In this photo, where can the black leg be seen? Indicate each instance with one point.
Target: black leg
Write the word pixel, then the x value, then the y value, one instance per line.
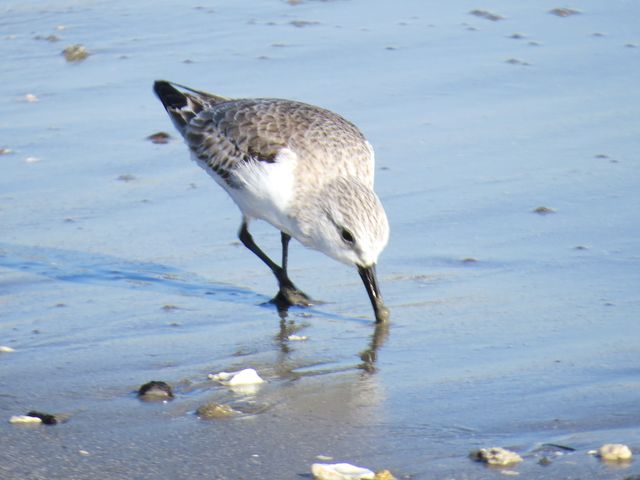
pixel 247 240
pixel 288 294
pixel 285 251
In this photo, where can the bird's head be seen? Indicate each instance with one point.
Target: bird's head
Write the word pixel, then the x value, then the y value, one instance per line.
pixel 347 222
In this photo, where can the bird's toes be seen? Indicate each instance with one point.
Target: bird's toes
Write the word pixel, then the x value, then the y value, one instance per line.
pixel 290 296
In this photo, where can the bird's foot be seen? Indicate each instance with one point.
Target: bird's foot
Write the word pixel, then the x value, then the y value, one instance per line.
pixel 289 296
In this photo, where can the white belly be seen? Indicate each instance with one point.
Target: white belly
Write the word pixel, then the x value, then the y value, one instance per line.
pixel 267 189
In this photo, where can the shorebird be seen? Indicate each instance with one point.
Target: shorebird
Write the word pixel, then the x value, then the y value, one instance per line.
pixel 305 170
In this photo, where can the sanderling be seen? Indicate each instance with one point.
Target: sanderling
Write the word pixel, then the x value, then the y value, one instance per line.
pixel 303 169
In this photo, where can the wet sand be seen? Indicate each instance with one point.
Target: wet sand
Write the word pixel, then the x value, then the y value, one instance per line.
pixel 506 146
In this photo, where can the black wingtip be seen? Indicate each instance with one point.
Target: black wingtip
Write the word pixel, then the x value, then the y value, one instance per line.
pixel 168 95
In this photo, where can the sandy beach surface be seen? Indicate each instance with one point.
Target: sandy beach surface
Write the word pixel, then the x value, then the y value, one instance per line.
pixel 507 137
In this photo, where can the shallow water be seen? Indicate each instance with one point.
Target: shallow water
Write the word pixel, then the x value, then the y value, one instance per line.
pixel 119 262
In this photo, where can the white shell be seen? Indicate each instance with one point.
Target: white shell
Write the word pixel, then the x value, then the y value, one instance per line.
pixel 614 452
pixel 297 338
pixel 340 471
pixel 24 419
pixel 248 376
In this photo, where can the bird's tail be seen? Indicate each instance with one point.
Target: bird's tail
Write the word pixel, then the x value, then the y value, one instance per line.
pixel 182 106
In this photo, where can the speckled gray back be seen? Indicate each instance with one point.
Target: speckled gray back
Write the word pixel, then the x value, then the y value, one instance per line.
pixel 256 129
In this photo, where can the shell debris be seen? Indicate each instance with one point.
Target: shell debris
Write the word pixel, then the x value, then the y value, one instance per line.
pixel 215 411
pixel 340 471
pixel 384 475
pixel 25 419
pixel 614 452
pixel 248 376
pixel 297 338
pixel 497 456
pixel 75 53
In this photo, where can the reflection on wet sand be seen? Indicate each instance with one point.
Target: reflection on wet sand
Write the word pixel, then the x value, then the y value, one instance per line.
pixel 289 329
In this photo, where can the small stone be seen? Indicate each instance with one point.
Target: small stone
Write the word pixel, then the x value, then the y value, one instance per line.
pixel 214 411
pixel 75 53
pixel 564 12
pixel 486 14
pixel 496 456
pixel 159 138
pixel 24 419
pixel 340 471
pixel 155 391
pixel 543 210
pixel 5 349
pixel 614 452
pixel 127 177
pixel 46 418
pixel 302 23
pixel 516 61
pixel 48 38
pixel 84 453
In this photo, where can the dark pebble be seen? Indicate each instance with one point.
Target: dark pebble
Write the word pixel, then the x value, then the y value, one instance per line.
pixel 543 211
pixel 46 418
pixel 159 138
pixel 155 390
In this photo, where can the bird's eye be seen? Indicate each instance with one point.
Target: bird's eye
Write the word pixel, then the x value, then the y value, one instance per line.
pixel 347 236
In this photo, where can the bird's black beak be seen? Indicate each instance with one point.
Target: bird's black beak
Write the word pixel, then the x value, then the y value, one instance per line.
pixel 368 275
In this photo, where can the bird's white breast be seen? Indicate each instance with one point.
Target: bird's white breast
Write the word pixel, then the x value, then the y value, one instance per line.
pixel 267 188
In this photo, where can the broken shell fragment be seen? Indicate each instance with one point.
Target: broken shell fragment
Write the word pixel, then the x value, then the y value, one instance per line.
pixel 215 411
pixel 340 471
pixel 614 452
pixel 496 456
pixel 75 53
pixel 24 419
pixel 384 475
pixel 248 376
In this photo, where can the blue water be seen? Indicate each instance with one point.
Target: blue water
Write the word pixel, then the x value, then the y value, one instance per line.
pixel 106 284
